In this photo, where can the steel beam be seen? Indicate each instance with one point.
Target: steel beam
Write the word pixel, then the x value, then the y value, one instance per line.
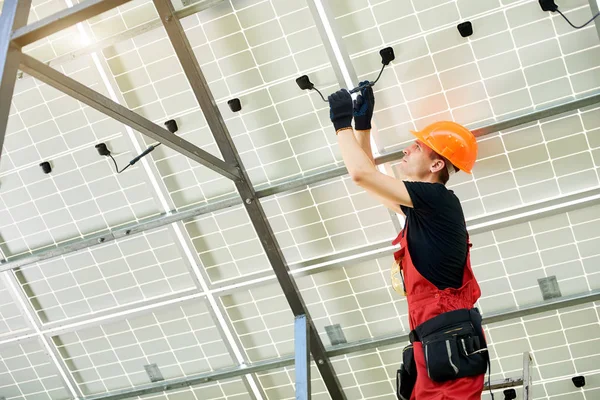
pixel 14 15
pixel 594 7
pixel 343 349
pixel 128 311
pixel 333 42
pixel 302 358
pixel 551 305
pixel 503 384
pixel 244 187
pixel 62 20
pixel 122 114
pixel 174 216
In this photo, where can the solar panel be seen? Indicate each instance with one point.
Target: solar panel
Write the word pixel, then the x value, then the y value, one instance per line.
pixel 27 371
pixel 109 276
pixel 181 341
pixel 11 320
pixel 160 305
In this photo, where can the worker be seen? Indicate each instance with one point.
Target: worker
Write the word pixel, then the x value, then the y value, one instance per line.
pixel 447 358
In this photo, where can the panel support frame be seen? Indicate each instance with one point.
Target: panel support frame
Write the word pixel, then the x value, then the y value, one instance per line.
pixel 205 99
pixel 14 15
pixel 595 7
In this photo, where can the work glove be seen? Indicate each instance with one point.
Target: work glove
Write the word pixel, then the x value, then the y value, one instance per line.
pixel 363 108
pixel 340 109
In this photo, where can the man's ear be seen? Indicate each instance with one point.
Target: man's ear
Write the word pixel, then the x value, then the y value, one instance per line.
pixel 437 165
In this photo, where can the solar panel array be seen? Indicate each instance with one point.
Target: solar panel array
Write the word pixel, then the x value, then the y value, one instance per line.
pixel 163 301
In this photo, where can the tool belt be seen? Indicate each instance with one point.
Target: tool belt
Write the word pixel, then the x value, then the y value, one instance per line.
pixel 453 345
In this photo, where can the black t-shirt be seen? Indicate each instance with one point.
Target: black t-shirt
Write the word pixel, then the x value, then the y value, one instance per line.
pixel 437 235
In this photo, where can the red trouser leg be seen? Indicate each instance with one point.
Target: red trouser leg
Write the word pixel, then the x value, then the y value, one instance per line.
pixel 468 388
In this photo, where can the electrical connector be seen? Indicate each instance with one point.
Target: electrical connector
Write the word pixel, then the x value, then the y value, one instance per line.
pixel 144 153
pixel 510 394
pixel 171 125
pixel 578 381
pixel 102 149
pixel 46 167
pixel 548 5
pixel 234 105
pixel 304 83
pixel 465 29
pixel 387 56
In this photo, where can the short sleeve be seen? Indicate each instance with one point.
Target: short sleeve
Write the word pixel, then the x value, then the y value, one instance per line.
pixel 426 196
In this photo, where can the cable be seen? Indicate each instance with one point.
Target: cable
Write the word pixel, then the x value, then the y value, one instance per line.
pixel 103 151
pixel 321 94
pixel 577 27
pixel 116 167
pixel 378 76
pixel 387 56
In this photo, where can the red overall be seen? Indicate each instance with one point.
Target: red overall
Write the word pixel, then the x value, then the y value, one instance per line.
pixel 426 301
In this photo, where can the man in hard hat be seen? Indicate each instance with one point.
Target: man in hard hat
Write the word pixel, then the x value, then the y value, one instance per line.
pixel 447 357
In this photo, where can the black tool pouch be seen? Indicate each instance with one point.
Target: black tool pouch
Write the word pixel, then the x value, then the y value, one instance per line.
pixel 406 376
pixel 454 345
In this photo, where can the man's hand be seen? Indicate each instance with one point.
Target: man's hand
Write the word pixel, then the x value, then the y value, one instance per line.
pixel 340 109
pixel 363 108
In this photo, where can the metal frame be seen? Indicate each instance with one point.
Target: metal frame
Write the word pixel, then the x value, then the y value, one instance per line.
pixel 14 15
pixel 14 35
pixel 595 6
pixel 215 121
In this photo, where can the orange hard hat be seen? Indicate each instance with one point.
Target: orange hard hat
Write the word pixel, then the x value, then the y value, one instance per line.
pixel 452 141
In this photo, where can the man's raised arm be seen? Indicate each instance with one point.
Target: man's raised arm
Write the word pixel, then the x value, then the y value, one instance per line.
pixel 357 153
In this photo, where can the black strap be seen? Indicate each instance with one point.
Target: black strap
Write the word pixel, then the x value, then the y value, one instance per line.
pixel 490 375
pixel 441 322
pixel 413 337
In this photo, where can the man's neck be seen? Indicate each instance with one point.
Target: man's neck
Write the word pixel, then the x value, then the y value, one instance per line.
pixel 427 179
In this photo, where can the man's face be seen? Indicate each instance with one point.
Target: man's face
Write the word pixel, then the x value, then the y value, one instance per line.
pixel 417 161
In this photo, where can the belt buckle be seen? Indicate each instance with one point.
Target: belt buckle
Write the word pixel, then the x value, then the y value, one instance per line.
pixel 397 278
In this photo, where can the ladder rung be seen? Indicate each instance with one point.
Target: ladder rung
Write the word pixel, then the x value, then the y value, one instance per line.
pixel 504 383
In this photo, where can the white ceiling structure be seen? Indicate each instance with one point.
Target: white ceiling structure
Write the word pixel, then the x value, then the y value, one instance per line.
pixel 85 308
